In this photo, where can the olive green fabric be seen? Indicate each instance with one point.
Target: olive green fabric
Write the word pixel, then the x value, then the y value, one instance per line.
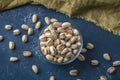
pixel 104 13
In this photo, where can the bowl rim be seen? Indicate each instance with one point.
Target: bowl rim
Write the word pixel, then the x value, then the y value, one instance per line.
pixel 69 61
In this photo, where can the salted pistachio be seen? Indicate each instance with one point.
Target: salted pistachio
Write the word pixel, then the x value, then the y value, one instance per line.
pixel 62 35
pixel 24 26
pixel 116 63
pixel 58 41
pixel 66 25
pixel 55 59
pixel 78 38
pixel 110 70
pixel 60 47
pixel 81 57
pixel 90 46
pixel 103 77
pixel 43 44
pixel 73 39
pixel 69 31
pixel 47 20
pixel 53 50
pixel 42 48
pixel 66 59
pixel 78 43
pixel 13 59
pixel 34 18
pixel 27 53
pixel 45 50
pixel 48 34
pixel 60 60
pixel 24 38
pixel 84 50
pixel 73 72
pixel 74 46
pixel 38 25
pixel 69 54
pixel 68 44
pixel 94 62
pixel 1 38
pixel 106 56
pixel 52 78
pixel 75 51
pixel 16 32
pixel 57 24
pixel 54 34
pixel 8 27
pixel 43 38
pixel 11 45
pixel 75 32
pixel 53 20
pixel 50 42
pixel 30 31
pixel 60 30
pixel 62 42
pixel 35 69
pixel 68 36
pixel 46 30
pixel 49 57
pixel 64 51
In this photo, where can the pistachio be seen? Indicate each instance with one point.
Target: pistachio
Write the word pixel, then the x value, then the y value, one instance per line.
pixel 106 56
pixel 73 39
pixel 35 69
pixel 27 53
pixel 34 18
pixel 1 38
pixel 16 32
pixel 30 31
pixel 84 50
pixel 73 72
pixel 24 38
pixel 38 25
pixel 74 46
pixel 53 50
pixel 90 46
pixel 49 57
pixel 60 59
pixel 116 63
pixel 8 27
pixel 13 59
pixel 69 54
pixel 52 78
pixel 53 20
pixel 103 77
pixel 81 57
pixel 110 70
pixel 11 45
pixel 75 32
pixel 47 20
pixel 64 51
pixel 24 26
pixel 56 24
pixel 66 25
pixel 94 62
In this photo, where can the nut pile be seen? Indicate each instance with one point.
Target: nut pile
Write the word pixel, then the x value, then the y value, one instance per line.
pixel 59 42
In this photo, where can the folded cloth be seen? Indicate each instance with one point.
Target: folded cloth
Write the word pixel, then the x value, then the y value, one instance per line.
pixel 104 13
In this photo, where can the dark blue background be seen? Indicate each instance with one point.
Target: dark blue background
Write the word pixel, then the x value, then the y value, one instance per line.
pixel 104 42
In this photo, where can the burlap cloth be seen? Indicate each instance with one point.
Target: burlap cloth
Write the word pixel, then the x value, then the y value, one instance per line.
pixel 104 13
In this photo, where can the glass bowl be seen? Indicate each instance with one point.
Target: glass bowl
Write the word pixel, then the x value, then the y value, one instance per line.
pixel 73 58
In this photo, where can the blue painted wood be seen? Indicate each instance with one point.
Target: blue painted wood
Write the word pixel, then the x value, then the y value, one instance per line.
pixel 104 42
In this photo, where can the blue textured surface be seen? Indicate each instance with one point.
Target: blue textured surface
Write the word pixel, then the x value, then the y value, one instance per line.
pixel 104 42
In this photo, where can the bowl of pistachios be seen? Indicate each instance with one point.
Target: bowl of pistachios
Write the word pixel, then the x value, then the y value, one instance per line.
pixel 60 42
